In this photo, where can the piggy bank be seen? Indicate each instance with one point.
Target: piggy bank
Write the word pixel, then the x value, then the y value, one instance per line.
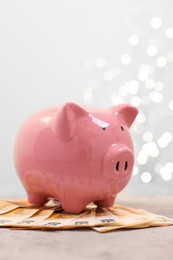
pixel 76 155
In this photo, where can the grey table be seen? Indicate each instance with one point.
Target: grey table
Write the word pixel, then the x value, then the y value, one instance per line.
pixel 149 243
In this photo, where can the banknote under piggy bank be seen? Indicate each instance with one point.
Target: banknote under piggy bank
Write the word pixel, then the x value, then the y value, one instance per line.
pixel 76 155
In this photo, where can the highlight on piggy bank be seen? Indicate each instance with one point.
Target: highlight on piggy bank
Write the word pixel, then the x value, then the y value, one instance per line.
pixel 76 155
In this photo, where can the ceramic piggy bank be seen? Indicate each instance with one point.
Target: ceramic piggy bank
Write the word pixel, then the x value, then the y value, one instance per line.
pixel 76 155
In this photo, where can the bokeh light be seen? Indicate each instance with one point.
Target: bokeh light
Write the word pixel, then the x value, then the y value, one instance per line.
pixel 126 59
pixel 158 86
pixel 161 62
pixel 100 62
pixel 151 149
pixel 132 87
pixel 155 97
pixel 108 75
pixel 116 99
pixel 141 118
pixel 145 70
pixel 142 158
pixel 152 50
pixel 135 101
pixel 88 96
pixel 147 136
pixel 150 83
pixel 133 40
pixel 171 105
pixel 135 170
pixel 169 32
pixel 143 77
pixel 164 140
pixel 146 177
pixel 156 23
pixel 166 172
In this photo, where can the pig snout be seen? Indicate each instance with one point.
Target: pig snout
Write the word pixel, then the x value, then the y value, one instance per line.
pixel 123 161
pixel 118 162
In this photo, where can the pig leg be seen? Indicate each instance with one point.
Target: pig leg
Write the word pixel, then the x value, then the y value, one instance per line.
pixel 108 202
pixel 36 199
pixel 72 207
pixel 72 200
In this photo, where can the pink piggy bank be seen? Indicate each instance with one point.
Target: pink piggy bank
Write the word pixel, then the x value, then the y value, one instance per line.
pixel 76 155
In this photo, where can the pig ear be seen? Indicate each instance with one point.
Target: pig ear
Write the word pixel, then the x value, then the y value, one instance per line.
pixel 126 114
pixel 64 121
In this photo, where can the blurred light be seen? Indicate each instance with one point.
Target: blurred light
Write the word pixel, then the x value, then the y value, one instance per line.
pixel 142 158
pixel 147 136
pixel 88 96
pixel 143 88
pixel 100 62
pixel 155 97
pixel 125 59
pixel 135 101
pixel 171 105
pixel 87 91
pixel 170 56
pixel 145 70
pixel 146 177
pixel 148 67
pixel 165 174
pixel 169 32
pixel 108 75
pixel 169 167
pixel 143 75
pixel 156 22
pixel 152 50
pixel 141 118
pixel 133 40
pixel 123 91
pixel 90 64
pixel 149 83
pixel 135 170
pixel 164 140
pixel 161 143
pixel 116 99
pixel 161 62
pixel 132 86
pixel 167 136
pixel 159 86
pixel 151 149
pixel 116 71
pixel 88 99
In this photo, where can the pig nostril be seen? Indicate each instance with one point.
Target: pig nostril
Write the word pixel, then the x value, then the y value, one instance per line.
pixel 117 166
pixel 125 165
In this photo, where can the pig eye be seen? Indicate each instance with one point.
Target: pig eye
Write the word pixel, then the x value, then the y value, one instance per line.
pixel 122 128
pixel 104 128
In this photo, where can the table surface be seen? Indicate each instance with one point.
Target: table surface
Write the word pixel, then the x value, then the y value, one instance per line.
pixel 140 244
